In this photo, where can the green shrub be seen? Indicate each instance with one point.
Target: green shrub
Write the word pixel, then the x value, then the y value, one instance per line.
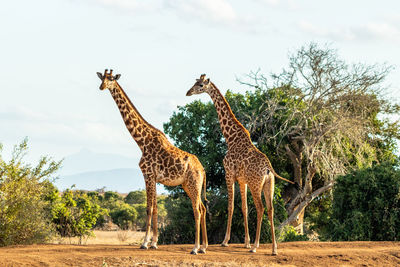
pixel 124 215
pixel 136 197
pixel 366 205
pixel 289 234
pixel 24 204
pixel 75 214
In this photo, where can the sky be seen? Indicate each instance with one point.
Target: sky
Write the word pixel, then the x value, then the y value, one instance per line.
pixel 50 51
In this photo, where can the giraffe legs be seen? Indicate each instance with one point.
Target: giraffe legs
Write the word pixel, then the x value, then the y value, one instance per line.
pixel 154 239
pixel 203 213
pixel 243 194
pixel 269 195
pixel 196 201
pixel 151 193
pixel 256 193
pixel 203 228
pixel 196 211
pixel 230 183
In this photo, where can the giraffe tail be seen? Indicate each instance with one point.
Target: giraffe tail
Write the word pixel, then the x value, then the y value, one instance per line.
pixel 204 190
pixel 273 171
pixel 280 177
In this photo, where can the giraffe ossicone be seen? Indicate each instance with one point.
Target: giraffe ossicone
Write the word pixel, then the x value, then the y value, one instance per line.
pixel 244 164
pixel 161 162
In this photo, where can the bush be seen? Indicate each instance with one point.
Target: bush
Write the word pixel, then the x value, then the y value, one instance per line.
pixel 289 234
pixel 366 205
pixel 136 197
pixel 75 214
pixel 24 216
pixel 124 216
pixel 112 196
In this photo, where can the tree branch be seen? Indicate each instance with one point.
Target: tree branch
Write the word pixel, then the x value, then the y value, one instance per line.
pixel 304 204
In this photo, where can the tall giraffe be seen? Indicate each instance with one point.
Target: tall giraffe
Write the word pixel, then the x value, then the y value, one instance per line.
pixel 243 163
pixel 161 162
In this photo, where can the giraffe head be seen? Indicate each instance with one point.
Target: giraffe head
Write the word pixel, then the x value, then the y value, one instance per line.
pixel 201 86
pixel 108 80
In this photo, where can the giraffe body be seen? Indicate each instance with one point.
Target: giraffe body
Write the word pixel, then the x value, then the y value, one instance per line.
pixel 161 162
pixel 244 164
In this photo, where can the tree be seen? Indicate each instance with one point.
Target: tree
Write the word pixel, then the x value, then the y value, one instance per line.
pixel 124 215
pixel 366 205
pixel 24 216
pixel 136 197
pixel 326 118
pixel 111 196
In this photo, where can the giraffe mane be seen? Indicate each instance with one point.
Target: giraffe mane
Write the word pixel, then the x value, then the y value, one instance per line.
pixel 230 110
pixel 138 113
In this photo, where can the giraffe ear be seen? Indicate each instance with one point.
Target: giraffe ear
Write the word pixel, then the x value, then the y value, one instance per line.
pixel 208 81
pixel 117 76
pixel 100 75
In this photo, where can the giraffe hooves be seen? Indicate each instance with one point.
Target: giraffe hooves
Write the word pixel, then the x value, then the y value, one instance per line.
pixel 224 245
pixel 193 252
pixel 247 245
pixel 154 247
pixel 143 247
pixel 253 250
pixel 274 253
pixel 202 251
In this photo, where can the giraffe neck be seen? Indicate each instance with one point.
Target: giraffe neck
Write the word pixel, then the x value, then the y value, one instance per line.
pixel 141 131
pixel 232 129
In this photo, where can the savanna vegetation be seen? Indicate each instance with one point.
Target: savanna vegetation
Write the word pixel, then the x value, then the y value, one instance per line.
pixel 319 120
pixel 323 123
pixel 33 210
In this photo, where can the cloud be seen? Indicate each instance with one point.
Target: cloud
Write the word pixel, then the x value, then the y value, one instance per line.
pixel 130 6
pixel 206 10
pixel 380 30
pixel 271 2
pixel 214 10
pixel 287 4
pixel 219 13
pixel 320 31
pixel 372 31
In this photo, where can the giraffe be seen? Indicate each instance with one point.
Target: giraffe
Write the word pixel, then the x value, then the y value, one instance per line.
pixel 161 162
pixel 243 163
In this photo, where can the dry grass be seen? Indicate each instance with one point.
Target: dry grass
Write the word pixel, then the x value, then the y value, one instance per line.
pixel 123 236
pixel 107 238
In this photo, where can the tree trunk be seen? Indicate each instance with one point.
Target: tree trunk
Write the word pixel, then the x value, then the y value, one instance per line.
pixel 300 208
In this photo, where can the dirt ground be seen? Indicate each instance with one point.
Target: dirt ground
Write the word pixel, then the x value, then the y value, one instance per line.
pixel 290 254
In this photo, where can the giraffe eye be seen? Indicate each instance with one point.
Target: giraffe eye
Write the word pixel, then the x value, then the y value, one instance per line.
pixel 201 85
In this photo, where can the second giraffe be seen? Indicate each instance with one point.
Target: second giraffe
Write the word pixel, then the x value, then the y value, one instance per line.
pixel 243 163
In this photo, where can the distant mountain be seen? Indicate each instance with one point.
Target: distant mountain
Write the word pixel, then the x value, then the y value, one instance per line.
pixel 89 161
pixel 121 180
